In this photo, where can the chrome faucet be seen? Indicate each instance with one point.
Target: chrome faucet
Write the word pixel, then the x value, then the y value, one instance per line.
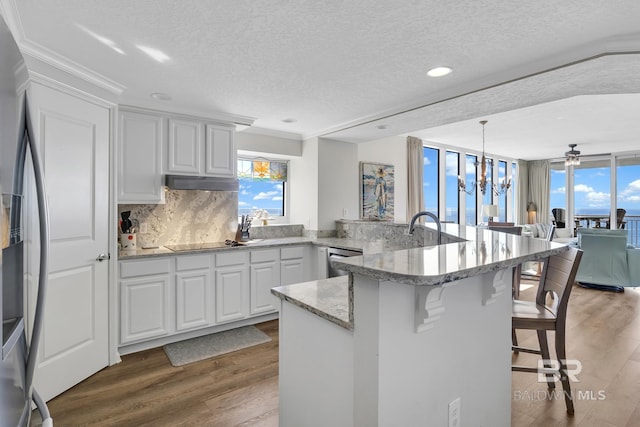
pixel 412 225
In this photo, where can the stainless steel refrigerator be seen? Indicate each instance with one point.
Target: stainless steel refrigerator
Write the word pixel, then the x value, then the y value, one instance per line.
pixel 19 356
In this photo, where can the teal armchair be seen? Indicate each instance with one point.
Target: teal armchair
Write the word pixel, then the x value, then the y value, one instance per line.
pixel 608 263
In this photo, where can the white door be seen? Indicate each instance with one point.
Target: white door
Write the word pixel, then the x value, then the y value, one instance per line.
pixel 73 136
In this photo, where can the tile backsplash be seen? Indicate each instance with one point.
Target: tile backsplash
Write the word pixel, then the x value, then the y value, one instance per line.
pixel 188 216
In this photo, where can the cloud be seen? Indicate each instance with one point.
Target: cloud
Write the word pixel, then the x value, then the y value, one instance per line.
pixel 266 195
pixel 631 193
pixel 277 198
pixel 426 161
pixel 597 199
pixel 560 190
pixel 452 164
pixel 241 203
pixel 582 188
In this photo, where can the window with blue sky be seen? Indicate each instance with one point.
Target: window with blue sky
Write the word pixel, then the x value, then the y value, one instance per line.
pixel 430 179
pixel 262 186
pixel 452 162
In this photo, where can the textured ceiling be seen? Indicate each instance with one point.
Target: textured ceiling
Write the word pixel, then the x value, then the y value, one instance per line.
pixel 338 67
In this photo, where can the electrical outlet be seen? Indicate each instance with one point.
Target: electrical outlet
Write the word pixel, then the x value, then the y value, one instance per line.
pixel 454 413
pixel 143 228
pixel 345 212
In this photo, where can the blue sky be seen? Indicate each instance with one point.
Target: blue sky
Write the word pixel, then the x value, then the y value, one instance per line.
pixel 254 195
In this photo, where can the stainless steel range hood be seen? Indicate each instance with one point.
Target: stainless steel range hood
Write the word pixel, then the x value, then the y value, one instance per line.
pixel 207 183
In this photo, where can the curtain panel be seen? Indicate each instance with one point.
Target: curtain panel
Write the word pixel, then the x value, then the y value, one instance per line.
pixel 539 191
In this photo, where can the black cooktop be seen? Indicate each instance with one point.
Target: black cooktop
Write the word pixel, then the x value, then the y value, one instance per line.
pixel 200 246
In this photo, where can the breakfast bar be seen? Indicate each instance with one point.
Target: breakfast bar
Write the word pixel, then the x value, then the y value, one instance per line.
pixel 424 335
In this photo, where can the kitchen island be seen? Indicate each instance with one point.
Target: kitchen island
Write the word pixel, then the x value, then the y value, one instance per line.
pixel 427 330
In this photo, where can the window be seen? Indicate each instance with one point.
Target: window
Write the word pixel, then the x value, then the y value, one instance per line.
pixel 592 191
pixel 628 197
pixel 502 199
pixel 262 186
pixel 487 198
pixel 514 189
pixel 430 179
pixel 471 176
pixel 558 193
pixel 452 162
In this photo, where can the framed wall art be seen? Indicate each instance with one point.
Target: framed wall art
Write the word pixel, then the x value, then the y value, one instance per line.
pixel 377 185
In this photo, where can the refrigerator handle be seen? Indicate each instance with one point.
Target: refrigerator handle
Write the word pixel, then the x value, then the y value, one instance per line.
pixel 43 220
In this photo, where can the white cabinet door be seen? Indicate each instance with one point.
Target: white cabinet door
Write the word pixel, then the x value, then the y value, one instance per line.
pixel 232 286
pixel 265 274
pixel 194 294
pixel 73 135
pixel 140 158
pixel 144 308
pixel 292 265
pixel 231 293
pixel 185 147
pixel 145 298
pixel 292 271
pixel 220 150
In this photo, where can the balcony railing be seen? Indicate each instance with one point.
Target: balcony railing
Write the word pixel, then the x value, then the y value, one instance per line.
pixel 632 225
pixel 633 229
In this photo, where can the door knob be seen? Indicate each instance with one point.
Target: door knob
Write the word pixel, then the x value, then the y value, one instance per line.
pixel 102 257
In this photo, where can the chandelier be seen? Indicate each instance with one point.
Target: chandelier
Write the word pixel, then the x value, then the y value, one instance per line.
pixel 573 156
pixel 482 183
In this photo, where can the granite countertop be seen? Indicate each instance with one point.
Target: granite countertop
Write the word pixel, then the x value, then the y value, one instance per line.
pixel 330 299
pixel 366 247
pixel 482 251
pixel 253 244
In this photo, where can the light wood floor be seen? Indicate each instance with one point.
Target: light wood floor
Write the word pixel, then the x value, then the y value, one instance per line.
pixel 240 389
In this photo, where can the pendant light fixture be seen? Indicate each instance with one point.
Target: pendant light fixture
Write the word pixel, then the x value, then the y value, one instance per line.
pixel 482 184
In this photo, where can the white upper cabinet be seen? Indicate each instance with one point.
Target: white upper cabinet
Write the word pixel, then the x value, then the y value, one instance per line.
pixel 140 177
pixel 152 143
pixel 185 146
pixel 189 152
pixel 220 151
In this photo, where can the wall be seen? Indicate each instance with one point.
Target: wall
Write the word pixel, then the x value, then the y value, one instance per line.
pixel 188 216
pixel 393 151
pixel 303 187
pixel 337 183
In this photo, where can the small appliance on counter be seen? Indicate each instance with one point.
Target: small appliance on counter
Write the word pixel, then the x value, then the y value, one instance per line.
pixel 128 228
pixel 242 234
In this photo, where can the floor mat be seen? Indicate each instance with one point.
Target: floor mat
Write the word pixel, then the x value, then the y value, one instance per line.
pixel 196 349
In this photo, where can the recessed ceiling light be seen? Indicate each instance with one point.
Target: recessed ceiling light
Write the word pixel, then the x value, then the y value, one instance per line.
pixel 161 96
pixel 382 127
pixel 439 71
pixel 289 120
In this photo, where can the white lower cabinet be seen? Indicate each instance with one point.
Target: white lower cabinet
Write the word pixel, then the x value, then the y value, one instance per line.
pixel 144 299
pixel 292 265
pixel 265 274
pixel 194 292
pixel 176 294
pixel 232 285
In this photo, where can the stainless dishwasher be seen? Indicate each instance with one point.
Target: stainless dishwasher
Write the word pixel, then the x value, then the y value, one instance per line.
pixel 336 254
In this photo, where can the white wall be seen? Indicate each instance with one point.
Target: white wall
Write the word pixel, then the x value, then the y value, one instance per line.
pixel 303 186
pixel 337 183
pixel 390 151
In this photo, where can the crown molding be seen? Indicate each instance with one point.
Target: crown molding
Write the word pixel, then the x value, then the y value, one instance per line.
pixel 37 52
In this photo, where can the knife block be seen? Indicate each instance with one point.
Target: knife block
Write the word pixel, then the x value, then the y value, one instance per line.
pixel 242 236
